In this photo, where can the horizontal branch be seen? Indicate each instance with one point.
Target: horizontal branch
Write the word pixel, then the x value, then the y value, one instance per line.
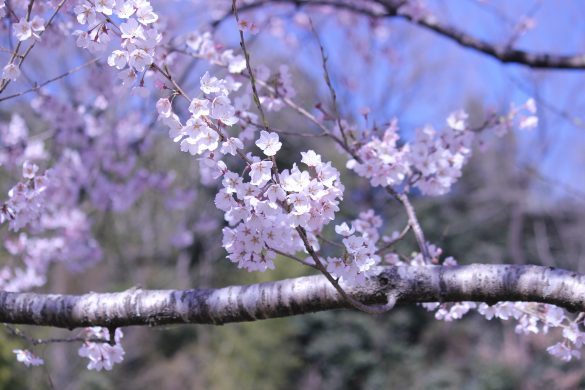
pixel 405 284
pixel 502 53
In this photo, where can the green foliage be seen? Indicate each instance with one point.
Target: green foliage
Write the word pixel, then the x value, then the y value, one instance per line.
pixel 259 355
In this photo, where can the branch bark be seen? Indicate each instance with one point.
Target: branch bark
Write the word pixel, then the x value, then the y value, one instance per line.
pixel 502 53
pixel 405 284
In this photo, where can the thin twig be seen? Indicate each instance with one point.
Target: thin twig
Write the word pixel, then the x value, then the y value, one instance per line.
pixel 501 54
pixel 393 242
pixel 249 66
pixel 335 282
pixel 5 83
pixel 297 259
pixel 34 341
pixel 167 74
pixel 41 85
pixel 287 101
pixel 318 264
pixel 322 238
pixel 413 222
pixel 402 198
pixel 329 84
pixel 286 132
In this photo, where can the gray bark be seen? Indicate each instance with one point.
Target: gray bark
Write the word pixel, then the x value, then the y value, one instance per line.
pixel 405 284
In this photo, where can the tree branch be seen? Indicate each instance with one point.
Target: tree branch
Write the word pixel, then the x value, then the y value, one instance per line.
pixel 406 284
pixel 502 53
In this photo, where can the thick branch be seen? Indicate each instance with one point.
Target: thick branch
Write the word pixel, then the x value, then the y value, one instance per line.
pixel 502 53
pixel 406 284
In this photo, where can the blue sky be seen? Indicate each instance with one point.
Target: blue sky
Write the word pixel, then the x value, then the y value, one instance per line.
pixel 434 76
pixel 429 76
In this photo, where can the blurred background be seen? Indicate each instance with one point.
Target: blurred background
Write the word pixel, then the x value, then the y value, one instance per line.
pixel 520 200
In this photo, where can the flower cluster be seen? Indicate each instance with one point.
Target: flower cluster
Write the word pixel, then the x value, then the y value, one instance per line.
pixel 102 355
pixel 357 262
pixel 137 31
pixel 531 317
pixel 274 86
pixel 25 29
pixel 26 199
pixel 11 72
pixel 264 213
pixel 279 86
pixel 203 46
pixel 28 358
pixel 199 136
pixel 368 224
pixel 16 146
pixel 361 253
pixel 97 165
pixel 18 279
pixel 432 163
pixel 524 117
pixel 538 318
pixel 437 159
pixel 383 161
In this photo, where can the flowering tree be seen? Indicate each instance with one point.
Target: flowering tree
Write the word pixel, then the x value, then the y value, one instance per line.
pixel 88 148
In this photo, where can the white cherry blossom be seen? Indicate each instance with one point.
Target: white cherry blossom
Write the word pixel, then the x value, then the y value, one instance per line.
pixel 22 30
pixel 268 143
pixel 11 72
pixel 260 173
pixel 28 358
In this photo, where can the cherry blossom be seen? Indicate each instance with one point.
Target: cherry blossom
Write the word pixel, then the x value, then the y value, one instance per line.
pixel 102 355
pixel 105 6
pixel 22 30
pixel 222 109
pixel 11 72
pixel 268 143
pixel 270 211
pixel 310 158
pixel 260 173
pixel 564 352
pixel 27 358
pixel 246 25
pixel 199 107
pixel 85 13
